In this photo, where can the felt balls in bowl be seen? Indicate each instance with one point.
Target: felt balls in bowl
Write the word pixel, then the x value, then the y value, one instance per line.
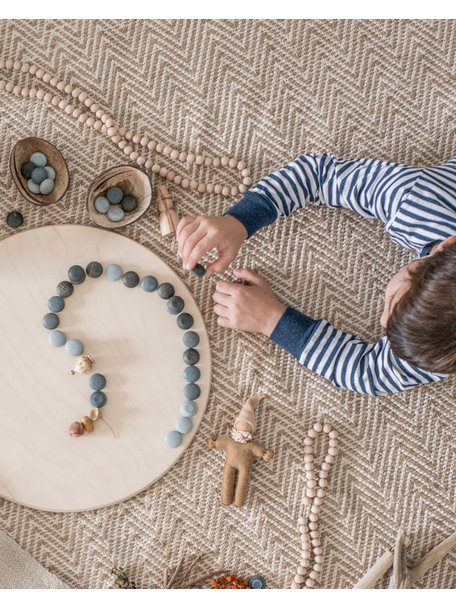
pixel 39 171
pixel 119 196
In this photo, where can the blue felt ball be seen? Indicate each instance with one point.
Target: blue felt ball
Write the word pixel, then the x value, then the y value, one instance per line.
pixel 188 408
pixel 190 339
pixel 102 204
pixel 56 304
pixel 192 391
pixel 114 195
pixel 32 187
pixel 173 439
pixel 114 272
pixel 184 425
pixel 98 399
pixel 57 338
pixel 115 214
pixel 51 320
pixel 39 174
pixel 185 320
pixel 192 373
pixel 149 283
pixel 74 347
pixel 97 382
pixel 39 159
pixel 76 274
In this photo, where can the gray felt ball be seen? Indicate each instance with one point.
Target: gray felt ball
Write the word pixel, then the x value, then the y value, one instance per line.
pixel 56 304
pixel 50 172
pixel 185 320
pixel 76 274
pixel 184 425
pixel 39 175
pixel 166 291
pixel 149 283
pixel 64 289
pixel 190 339
pixel 51 320
pixel 98 399
pixel 102 204
pixel 74 347
pixel 113 272
pixel 173 439
pixel 192 391
pixel 114 195
pixel 94 270
pixel 39 159
pixel 175 305
pixel 97 382
pixel 115 214
pixel 47 186
pixel 198 270
pixel 130 279
pixel 57 338
pixel 189 408
pixel 192 374
pixel 129 203
pixel 32 187
pixel 191 356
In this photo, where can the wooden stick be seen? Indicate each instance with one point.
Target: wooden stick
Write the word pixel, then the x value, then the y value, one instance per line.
pixel 187 572
pixel 375 572
pixel 400 578
pixel 202 578
pixel 175 573
pixel 165 578
pixel 431 558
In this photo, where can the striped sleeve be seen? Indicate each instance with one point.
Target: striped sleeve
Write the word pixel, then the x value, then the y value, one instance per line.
pixel 345 360
pixel 371 188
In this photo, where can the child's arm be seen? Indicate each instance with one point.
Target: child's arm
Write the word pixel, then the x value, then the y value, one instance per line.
pixel 371 188
pixel 342 358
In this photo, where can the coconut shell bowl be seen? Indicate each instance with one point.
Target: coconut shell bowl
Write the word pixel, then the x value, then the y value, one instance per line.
pixel 22 152
pixel 132 181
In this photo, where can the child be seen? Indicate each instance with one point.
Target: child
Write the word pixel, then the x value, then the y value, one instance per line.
pixel 418 207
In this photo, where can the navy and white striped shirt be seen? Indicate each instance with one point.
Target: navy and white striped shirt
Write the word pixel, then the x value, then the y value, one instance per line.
pixel 418 208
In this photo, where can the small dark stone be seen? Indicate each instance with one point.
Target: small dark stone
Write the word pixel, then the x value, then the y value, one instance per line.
pixel 192 373
pixel 257 582
pixel 192 391
pixel 185 320
pixel 14 219
pixel 190 339
pixel 175 305
pixel 27 168
pixel 76 275
pixel 114 195
pixel 97 382
pixel 56 304
pixel 64 289
pixel 198 270
pixel 166 291
pixel 149 283
pixel 39 174
pixel 130 279
pixel 129 203
pixel 51 320
pixel 98 399
pixel 94 270
pixel 191 356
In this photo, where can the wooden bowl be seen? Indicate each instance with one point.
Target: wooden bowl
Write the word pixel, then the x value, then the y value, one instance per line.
pixel 132 181
pixel 22 152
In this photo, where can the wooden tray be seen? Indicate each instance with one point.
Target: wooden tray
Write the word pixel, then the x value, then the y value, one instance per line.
pixel 136 344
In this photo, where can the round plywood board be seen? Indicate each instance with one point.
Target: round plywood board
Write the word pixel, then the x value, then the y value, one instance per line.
pixel 136 344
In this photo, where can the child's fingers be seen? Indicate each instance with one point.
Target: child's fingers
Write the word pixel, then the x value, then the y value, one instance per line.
pixel 181 225
pixel 190 241
pixel 221 298
pixel 249 276
pixel 228 288
pixel 221 263
pixel 224 322
pixel 186 231
pixel 221 311
pixel 201 246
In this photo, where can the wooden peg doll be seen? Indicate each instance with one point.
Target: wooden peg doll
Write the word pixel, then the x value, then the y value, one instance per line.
pixel 241 453
pixel 168 217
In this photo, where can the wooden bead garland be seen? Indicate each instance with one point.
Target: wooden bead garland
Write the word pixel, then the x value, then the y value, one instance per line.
pixel 121 136
pixel 308 523
pixel 84 363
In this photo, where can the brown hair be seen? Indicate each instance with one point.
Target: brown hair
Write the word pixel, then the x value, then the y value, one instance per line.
pixel 422 324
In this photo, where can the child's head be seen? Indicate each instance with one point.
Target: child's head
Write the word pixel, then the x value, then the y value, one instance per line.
pixel 420 310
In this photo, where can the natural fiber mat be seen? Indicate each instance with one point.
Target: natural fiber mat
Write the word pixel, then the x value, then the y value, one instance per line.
pixel 263 91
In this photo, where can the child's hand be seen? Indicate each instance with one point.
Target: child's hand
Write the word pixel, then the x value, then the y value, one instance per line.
pixel 251 307
pixel 198 235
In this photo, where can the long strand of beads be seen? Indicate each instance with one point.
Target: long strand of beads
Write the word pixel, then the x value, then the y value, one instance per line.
pixel 122 137
pixel 315 492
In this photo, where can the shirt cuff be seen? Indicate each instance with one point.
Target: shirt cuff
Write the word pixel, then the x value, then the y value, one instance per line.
pixel 427 248
pixel 254 211
pixel 293 331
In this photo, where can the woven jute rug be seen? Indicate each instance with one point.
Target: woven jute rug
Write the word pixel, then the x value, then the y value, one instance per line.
pixel 265 92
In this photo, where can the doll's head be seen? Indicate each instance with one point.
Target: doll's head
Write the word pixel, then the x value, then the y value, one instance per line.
pixel 420 310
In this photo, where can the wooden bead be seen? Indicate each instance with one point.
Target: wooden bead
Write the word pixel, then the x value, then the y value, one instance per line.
pixel 308 457
pixel 323 474
pixel 333 443
pixel 144 141
pixel 68 89
pixel 247 181
pixel 47 78
pixel 62 103
pixel 136 139
pixel 321 493
pixel 302 527
pixel 190 158
pixel 99 114
pixel 55 100
pixel 32 93
pixel 325 466
pixel 304 563
pixel 90 121
pixel 210 188
pixel 87 102
pixel 82 118
pixel 308 441
pixel 308 466
pixel 310 492
pixel 316 542
pixel 24 67
pixel 318 551
pixel 128 150
pixel 82 97
pixel 177 180
pixel 148 164
pixel 224 161
pixel 32 69
pixel 317 500
pixel 174 154
pixel 17 90
pixel 313 517
pixel 305 554
pixel 302 521
pixel 208 162
pixel 327 428
pixel 308 449
pixel 201 187
pixel 111 131
pixel 163 172
pixel 315 509
pixel 318 559
pixel 122 131
pixel 156 168
pixel 329 459
pixel 199 160
pixel 333 435
pixel 25 92
pixel 301 570
pixel 94 108
pixel 312 433
pixel 323 483
pixel 313 525
pixel 232 163
pixel 9 64
pixel 159 147
pixel 234 191
pixel 183 157
pixel 129 135
pixel 217 188
pixel 310 582
pixel 10 86
pixel 69 109
pixel 122 143
pixel 245 172
pixel 185 183
pixel 314 534
pixel 317 427
pixel 53 82
pixel 299 579
pixel 39 73
pixel 141 160
pixel 310 474
pixel 193 184
pixel 333 451
pixel 216 162
pixel 241 165
pixel 110 123
pixel 75 92
pixel 134 155
pixel 2 85
pixel 317 567
pixel 295 585
pixel 314 575
pixel 305 540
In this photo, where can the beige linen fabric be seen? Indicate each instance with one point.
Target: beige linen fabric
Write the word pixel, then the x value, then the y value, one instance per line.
pixel 265 92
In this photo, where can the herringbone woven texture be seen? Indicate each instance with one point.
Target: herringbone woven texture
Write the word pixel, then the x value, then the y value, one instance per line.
pixel 263 91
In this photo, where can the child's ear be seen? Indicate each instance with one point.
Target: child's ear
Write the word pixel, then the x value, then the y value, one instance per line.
pixel 451 240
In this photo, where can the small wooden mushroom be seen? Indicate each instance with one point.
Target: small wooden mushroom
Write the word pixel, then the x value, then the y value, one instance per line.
pixel 168 217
